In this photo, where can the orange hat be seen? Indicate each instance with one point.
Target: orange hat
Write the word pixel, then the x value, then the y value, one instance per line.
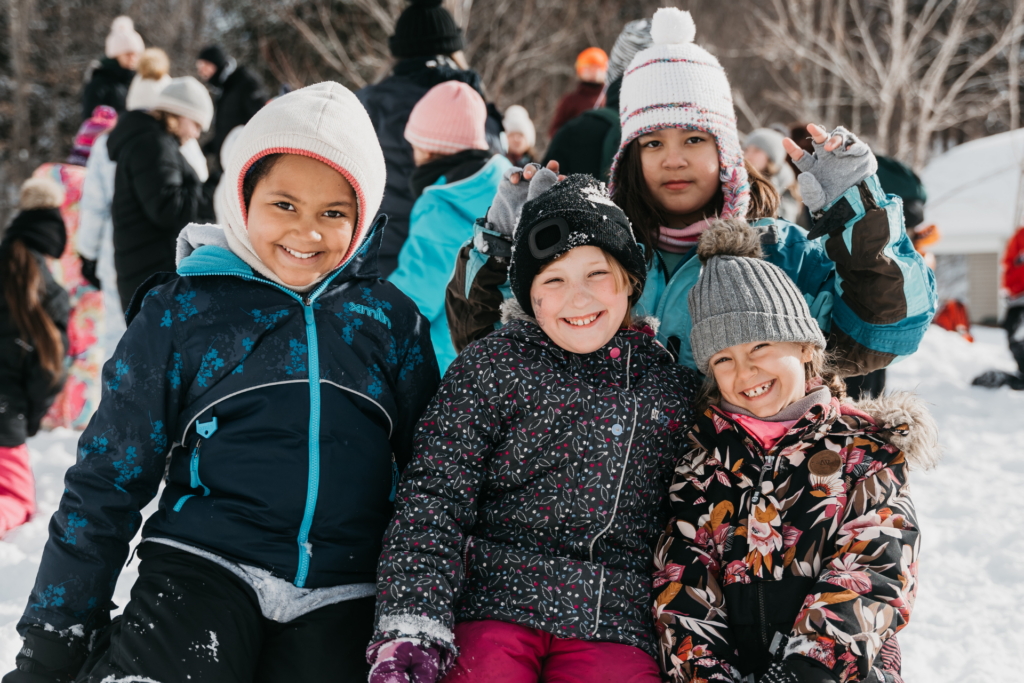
pixel 592 56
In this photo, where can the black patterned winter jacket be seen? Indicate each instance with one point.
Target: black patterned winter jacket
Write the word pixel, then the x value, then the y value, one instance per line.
pixel 537 491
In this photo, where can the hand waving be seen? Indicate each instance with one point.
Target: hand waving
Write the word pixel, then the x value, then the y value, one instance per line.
pixel 840 161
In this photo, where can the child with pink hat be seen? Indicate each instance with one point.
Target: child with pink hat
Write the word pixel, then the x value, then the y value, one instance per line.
pixel 455 180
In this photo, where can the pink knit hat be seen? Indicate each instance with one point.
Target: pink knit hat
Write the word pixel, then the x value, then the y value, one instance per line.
pixel 102 120
pixel 450 118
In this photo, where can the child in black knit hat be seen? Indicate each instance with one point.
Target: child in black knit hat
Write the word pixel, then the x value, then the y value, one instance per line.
pixel 524 525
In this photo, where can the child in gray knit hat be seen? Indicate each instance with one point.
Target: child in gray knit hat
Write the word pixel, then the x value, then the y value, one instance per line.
pixel 752 331
pixel 792 516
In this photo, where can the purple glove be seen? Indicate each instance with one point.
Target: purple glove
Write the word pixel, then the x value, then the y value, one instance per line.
pixel 405 661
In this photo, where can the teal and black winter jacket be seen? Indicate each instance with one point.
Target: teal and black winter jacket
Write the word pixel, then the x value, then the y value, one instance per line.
pixel 265 467
pixel 441 222
pixel 871 293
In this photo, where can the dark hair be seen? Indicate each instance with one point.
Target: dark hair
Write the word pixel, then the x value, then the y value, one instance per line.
pixel 639 205
pixel 23 289
pixel 257 172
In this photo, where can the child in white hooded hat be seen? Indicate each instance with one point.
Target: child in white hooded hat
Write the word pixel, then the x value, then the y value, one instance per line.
pixel 276 380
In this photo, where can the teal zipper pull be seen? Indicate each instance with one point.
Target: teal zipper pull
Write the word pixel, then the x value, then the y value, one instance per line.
pixel 394 479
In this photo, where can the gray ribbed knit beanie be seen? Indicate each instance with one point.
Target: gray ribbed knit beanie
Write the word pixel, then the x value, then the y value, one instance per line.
pixel 740 298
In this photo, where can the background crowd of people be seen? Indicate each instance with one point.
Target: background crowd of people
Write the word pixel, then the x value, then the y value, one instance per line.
pixel 464 198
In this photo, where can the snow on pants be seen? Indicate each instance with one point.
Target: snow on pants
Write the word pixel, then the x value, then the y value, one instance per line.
pixel 17 488
pixel 510 653
pixel 190 619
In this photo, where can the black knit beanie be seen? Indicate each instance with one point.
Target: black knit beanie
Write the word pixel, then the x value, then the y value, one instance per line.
pixel 425 29
pixel 40 229
pixel 574 213
pixel 214 54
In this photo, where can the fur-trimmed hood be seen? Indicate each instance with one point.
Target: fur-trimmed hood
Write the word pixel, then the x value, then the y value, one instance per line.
pixel 919 440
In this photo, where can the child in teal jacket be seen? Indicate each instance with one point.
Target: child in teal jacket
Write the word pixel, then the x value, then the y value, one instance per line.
pixel 455 180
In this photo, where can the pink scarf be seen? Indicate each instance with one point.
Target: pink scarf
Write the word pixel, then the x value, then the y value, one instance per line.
pixel 681 240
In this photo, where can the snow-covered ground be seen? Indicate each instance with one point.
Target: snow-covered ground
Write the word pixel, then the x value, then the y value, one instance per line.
pixel 968 625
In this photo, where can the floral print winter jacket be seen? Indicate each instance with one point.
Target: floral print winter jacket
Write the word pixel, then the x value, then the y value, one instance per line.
pixel 537 491
pixel 815 539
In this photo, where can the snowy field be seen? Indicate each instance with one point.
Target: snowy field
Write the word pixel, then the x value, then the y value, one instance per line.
pixel 968 625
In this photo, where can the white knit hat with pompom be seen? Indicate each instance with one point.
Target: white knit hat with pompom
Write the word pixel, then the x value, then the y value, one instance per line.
pixel 677 84
pixel 123 38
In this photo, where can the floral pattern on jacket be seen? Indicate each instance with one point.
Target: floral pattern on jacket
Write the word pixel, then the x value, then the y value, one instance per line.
pixel 537 491
pixel 822 524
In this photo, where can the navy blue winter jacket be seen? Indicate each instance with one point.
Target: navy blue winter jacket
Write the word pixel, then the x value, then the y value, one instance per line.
pixel 266 468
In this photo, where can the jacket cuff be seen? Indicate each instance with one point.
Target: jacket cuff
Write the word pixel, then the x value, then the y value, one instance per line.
pixel 426 631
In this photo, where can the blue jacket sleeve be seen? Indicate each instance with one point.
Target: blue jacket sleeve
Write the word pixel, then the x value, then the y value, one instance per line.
pixel 121 458
pixel 428 256
pixel 870 291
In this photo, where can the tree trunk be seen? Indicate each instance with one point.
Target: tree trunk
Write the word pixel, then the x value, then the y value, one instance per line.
pixel 19 12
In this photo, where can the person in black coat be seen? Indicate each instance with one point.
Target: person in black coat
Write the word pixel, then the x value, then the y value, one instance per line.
pixel 110 78
pixel 428 44
pixel 33 339
pixel 156 191
pixel 589 142
pixel 240 94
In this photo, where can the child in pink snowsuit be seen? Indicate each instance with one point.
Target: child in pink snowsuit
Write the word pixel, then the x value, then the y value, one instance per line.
pixel 33 338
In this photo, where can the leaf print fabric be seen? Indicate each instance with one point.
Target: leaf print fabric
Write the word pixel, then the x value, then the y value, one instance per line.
pixel 824 550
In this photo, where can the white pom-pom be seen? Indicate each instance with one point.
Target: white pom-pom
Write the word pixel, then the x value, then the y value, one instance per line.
pixel 122 24
pixel 672 26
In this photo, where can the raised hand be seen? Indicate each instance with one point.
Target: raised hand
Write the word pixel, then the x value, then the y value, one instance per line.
pixel 840 161
pixel 517 187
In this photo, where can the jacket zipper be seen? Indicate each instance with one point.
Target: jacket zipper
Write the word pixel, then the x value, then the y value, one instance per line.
pixel 769 462
pixel 394 479
pixel 764 620
pixel 313 366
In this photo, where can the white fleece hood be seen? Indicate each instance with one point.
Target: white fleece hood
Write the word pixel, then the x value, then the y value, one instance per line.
pixel 325 122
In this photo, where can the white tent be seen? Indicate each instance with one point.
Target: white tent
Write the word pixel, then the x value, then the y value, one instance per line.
pixel 975 194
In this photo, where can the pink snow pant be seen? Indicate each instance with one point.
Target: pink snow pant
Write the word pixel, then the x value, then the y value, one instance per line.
pixel 17 488
pixel 497 652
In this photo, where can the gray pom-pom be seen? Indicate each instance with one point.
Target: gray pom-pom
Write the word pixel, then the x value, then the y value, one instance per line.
pixel 729 237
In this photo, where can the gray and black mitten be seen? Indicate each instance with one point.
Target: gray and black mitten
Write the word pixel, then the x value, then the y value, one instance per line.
pixel 503 216
pixel 826 176
pixel 47 657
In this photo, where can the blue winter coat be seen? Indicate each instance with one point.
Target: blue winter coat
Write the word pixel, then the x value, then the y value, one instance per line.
pixel 266 468
pixel 441 222
pixel 870 292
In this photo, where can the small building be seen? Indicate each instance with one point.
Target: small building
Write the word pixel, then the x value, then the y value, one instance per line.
pixel 976 199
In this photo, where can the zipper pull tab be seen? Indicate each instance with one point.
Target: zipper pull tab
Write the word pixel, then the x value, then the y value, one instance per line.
pixel 756 498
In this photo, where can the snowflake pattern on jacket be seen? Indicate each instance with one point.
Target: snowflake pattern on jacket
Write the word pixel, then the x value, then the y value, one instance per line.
pixel 537 491
pixel 816 538
pixel 209 392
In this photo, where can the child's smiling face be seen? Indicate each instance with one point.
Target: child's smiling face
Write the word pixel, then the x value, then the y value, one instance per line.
pixel 579 301
pixel 301 218
pixel 681 171
pixel 762 377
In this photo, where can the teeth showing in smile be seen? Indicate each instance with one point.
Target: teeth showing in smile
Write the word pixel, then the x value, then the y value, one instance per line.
pixel 585 320
pixel 299 254
pixel 757 391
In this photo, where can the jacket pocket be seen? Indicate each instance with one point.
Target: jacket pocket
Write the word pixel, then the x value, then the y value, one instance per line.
pixel 194 480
